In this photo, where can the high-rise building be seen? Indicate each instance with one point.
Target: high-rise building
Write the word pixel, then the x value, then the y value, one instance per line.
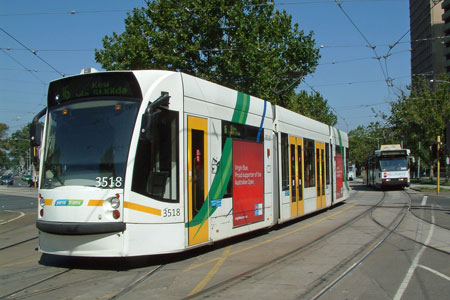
pixel 427 31
pixel 446 18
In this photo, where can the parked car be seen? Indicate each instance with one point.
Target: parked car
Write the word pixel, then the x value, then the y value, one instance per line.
pixel 26 177
pixel 7 179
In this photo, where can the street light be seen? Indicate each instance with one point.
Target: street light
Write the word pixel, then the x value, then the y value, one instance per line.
pixel 438 80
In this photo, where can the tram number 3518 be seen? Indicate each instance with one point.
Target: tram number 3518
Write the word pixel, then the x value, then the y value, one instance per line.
pixel 171 212
pixel 108 182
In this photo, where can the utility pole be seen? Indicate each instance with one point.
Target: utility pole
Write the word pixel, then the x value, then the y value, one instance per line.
pixel 418 165
pixel 438 164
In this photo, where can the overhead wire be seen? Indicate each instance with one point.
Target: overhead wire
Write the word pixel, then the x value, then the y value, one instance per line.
pixel 100 11
pixel 389 54
pixel 31 51
pixel 73 12
pixel 369 44
pixel 23 66
pixel 332 108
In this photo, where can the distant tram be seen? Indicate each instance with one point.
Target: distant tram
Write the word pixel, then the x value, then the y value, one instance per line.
pixel 388 167
pixel 150 162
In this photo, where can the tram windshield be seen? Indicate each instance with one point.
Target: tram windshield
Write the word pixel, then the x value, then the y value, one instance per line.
pixel 87 143
pixel 394 164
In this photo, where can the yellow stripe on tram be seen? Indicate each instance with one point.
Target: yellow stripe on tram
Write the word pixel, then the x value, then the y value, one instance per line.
pixel 142 208
pixel 95 202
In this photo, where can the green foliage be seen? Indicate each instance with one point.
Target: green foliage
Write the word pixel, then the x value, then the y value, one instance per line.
pixel 245 45
pixel 313 106
pixel 14 150
pixel 364 140
pixel 19 146
pixel 415 120
pixel 422 116
pixel 3 145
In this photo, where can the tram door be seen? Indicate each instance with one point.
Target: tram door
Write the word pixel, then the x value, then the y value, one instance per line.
pixel 295 175
pixel 320 175
pixel 198 180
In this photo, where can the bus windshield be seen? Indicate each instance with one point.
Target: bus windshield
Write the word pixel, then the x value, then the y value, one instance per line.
pixel 87 143
pixel 394 164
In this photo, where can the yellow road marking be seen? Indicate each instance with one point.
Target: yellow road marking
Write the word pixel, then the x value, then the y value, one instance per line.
pixel 18 263
pixel 227 253
pixel 213 271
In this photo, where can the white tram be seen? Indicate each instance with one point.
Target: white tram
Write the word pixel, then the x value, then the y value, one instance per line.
pixel 388 167
pixel 150 162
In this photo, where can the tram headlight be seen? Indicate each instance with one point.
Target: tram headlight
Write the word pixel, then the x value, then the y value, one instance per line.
pixel 115 203
pixel 41 201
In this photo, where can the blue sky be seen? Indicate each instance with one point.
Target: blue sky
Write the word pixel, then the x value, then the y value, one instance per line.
pixel 348 76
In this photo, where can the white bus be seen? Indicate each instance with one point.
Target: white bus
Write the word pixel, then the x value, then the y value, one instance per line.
pixel 351 174
pixel 388 167
pixel 150 162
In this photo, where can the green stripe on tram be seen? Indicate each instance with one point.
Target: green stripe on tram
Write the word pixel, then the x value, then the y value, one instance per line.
pixel 241 110
pixel 223 174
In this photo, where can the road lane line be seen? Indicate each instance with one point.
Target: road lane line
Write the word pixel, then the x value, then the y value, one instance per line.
pixel 435 272
pixel 21 214
pixel 274 238
pixel 414 263
pixel 211 273
pixel 424 200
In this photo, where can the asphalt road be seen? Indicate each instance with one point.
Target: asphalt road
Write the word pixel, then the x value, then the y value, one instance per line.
pixel 392 253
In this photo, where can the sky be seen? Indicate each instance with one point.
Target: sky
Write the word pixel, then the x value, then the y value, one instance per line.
pixel 364 45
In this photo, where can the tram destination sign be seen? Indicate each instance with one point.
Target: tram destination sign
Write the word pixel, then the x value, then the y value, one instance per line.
pixel 113 84
pixel 394 153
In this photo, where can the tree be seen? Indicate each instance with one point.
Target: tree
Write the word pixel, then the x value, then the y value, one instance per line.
pixel 364 140
pixel 245 45
pixel 4 162
pixel 313 106
pixel 19 147
pixel 420 117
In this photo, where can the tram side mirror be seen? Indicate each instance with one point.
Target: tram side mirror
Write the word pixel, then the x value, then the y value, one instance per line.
pixel 145 127
pixel 36 130
pixel 152 108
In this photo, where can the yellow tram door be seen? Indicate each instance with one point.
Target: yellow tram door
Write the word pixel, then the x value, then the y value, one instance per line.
pixel 320 175
pixel 198 222
pixel 295 176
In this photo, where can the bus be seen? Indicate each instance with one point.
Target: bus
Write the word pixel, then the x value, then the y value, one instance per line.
pixel 388 167
pixel 351 172
pixel 150 162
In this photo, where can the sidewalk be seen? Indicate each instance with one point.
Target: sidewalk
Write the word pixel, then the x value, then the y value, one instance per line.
pixel 430 186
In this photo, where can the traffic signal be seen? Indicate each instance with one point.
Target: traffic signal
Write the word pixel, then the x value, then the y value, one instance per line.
pixel 434 151
pixel 441 149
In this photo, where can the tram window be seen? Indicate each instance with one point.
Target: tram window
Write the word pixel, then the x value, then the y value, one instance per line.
pixel 198 171
pixel 237 131
pixel 156 165
pixel 310 171
pixel 327 165
pixel 284 162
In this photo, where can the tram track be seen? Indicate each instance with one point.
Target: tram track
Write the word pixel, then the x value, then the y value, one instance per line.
pixel 246 275
pixel 13 294
pixel 411 209
pixel 416 208
pixel 27 291
pixel 395 223
pixel 18 243
pixel 136 283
